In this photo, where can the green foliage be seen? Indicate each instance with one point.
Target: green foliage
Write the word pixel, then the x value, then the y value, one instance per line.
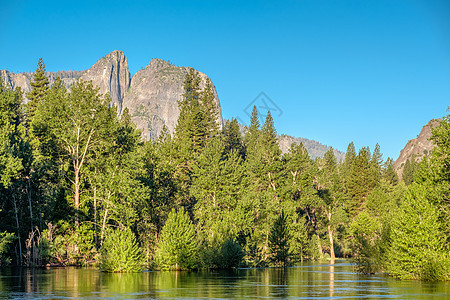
pixel 120 252
pixel 12 134
pixel 388 173
pixel 362 178
pixel 409 169
pixel 279 241
pixel 39 88
pixel 177 244
pixel 6 239
pixel 366 232
pixel 418 248
pixel 232 138
pixel 231 254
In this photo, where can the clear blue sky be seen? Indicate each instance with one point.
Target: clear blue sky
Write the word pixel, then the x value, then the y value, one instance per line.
pixel 366 71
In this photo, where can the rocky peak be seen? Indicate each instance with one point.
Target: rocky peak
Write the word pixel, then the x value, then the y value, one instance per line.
pixel 418 147
pixel 111 75
pixel 153 96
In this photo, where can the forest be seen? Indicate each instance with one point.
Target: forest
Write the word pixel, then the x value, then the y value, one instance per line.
pixel 79 187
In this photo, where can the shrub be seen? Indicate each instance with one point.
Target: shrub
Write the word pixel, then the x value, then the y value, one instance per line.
pixel 6 238
pixel 231 254
pixel 120 252
pixel 178 244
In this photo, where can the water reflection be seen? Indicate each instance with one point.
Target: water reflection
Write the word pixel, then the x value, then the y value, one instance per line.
pixel 331 280
pixel 309 280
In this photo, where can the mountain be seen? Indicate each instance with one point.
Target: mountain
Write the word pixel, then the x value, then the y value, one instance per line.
pixel 151 95
pixel 418 147
pixel 111 75
pixel 152 98
pixel 314 148
pixel 24 79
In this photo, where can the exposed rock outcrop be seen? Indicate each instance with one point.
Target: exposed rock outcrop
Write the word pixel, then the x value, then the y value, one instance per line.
pixel 24 79
pixel 418 147
pixel 111 75
pixel 153 97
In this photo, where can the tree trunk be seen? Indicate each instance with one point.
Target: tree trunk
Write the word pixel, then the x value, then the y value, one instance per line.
pixel 95 218
pixel 330 236
pixel 33 249
pixel 77 196
pixel 312 217
pixel 18 230
pixel 103 227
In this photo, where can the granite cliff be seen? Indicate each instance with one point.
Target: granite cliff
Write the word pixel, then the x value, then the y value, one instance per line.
pixel 111 75
pixel 151 95
pixel 418 147
pixel 152 98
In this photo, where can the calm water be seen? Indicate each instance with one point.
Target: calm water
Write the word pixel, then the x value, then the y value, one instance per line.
pixel 308 281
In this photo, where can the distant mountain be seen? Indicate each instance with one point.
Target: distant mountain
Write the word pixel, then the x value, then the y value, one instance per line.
pixel 151 95
pixel 418 147
pixel 314 148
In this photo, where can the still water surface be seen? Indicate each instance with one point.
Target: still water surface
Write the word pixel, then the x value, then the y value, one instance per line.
pixel 308 281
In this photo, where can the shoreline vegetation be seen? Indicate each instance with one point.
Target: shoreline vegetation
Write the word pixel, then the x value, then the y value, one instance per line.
pixel 79 187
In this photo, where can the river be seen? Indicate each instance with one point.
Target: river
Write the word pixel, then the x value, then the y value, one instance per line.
pixel 307 281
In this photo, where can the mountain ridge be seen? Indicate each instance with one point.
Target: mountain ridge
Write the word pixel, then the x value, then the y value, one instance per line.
pixel 151 94
pixel 418 147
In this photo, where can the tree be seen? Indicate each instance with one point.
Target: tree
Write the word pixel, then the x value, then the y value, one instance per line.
pixel 178 244
pixel 39 88
pixel 418 248
pixel 232 138
pixel 231 254
pixel 362 179
pixel 14 153
pixel 299 194
pixel 217 188
pixel 332 193
pixel 408 170
pixel 120 252
pixel 11 135
pixel 279 241
pixel 388 173
pixel 79 122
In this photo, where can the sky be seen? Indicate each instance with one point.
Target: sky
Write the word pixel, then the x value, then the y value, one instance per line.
pixel 367 71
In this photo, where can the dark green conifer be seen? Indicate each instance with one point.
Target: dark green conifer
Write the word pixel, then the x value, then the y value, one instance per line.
pixel 39 88
pixel 279 241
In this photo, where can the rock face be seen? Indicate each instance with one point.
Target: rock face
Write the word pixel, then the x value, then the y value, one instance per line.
pixel 314 148
pixel 154 94
pixel 418 147
pixel 23 80
pixel 111 75
pixel 151 96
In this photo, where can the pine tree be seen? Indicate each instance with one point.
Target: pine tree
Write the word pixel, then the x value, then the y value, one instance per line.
pixel 409 169
pixel 332 193
pixel 361 181
pixel 252 135
pixel 210 110
pixel 39 88
pixel 388 172
pixel 233 138
pixel 120 252
pixel 177 245
pixel 279 241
